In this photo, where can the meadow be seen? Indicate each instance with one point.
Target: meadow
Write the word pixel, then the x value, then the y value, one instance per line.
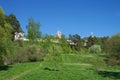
pixel 72 67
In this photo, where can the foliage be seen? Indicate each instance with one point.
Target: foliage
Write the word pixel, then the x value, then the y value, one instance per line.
pixel 112 61
pixel 91 41
pixel 84 51
pixel 99 41
pixel 95 49
pixel 113 48
pixel 78 42
pixel 33 30
pixel 30 53
pixel 104 41
pixel 53 57
pixel 2 17
pixel 64 44
pixel 12 20
pixel 5 38
pixel 2 44
pixel 113 44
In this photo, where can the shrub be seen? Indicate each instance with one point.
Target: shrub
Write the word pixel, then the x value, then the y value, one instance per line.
pixel 84 51
pixel 22 55
pixel 35 53
pixel 113 44
pixel 113 48
pixel 31 53
pixel 112 59
pixel 53 57
pixel 96 61
pixel 95 49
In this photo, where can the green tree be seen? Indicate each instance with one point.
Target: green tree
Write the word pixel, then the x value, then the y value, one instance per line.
pixel 12 20
pixel 33 30
pixel 53 57
pixel 5 37
pixel 95 49
pixel 91 41
pixel 104 41
pixel 64 44
pixel 2 17
pixel 113 49
pixel 2 36
pixel 77 40
pixel 2 44
pixel 98 41
pixel 5 44
pixel 113 44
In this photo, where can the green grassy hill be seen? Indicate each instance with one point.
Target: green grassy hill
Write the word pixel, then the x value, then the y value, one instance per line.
pixel 73 67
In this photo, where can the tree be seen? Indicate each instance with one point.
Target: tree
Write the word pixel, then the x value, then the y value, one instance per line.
pixel 64 44
pixel 77 41
pixel 2 44
pixel 2 36
pixel 33 30
pixel 12 20
pixel 5 38
pixel 2 17
pixel 95 49
pixel 91 41
pixel 5 43
pixel 53 57
pixel 113 49
pixel 104 40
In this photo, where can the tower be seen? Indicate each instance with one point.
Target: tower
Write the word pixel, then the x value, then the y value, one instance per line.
pixel 59 34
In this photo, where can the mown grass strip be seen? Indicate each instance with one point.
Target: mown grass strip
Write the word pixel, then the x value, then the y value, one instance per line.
pixel 25 72
pixel 79 64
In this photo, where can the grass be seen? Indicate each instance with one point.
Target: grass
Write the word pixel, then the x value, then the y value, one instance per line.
pixel 13 71
pixel 74 67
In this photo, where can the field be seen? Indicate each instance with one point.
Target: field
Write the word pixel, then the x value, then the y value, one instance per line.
pixel 73 67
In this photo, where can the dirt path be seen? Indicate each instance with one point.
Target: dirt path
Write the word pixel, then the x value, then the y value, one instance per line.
pixel 82 64
pixel 24 73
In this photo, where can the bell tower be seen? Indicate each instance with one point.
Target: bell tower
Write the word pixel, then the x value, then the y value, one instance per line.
pixel 59 34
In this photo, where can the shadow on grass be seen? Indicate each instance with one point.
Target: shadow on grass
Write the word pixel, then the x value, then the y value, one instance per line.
pixel 50 69
pixel 115 75
pixel 4 67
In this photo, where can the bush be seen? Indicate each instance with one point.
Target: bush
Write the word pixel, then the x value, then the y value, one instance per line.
pixel 113 48
pixel 22 55
pixel 31 53
pixel 53 57
pixel 84 51
pixel 113 44
pixel 112 59
pixel 96 61
pixel 95 49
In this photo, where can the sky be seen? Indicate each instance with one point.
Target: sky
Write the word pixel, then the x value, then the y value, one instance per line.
pixel 101 17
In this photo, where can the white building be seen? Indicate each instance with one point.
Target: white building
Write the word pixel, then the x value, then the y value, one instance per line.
pixel 20 36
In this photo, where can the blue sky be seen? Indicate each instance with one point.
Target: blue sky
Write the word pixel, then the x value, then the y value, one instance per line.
pixel 102 17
